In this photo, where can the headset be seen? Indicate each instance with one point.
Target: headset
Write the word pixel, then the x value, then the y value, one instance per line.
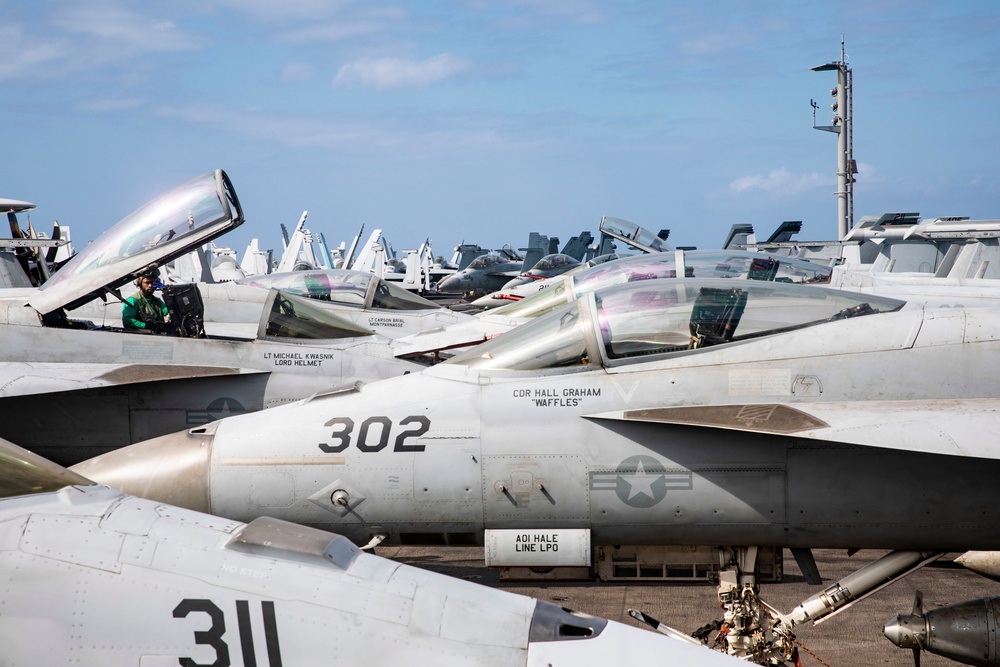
pixel 153 275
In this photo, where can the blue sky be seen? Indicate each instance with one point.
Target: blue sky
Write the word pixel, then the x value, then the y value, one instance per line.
pixel 479 121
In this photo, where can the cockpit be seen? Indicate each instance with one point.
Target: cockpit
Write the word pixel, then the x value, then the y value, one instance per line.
pixel 358 289
pixel 173 224
pixel 290 316
pixel 664 317
pixel 728 264
pixel 553 262
pixel 486 261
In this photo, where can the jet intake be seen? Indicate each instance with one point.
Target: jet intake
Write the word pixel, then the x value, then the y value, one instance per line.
pixel 552 623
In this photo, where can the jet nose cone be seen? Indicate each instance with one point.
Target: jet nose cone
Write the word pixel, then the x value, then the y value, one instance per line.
pixel 450 284
pixel 172 469
pixel 903 630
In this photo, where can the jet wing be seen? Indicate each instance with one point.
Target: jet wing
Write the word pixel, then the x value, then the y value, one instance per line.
pixel 25 379
pixel 957 427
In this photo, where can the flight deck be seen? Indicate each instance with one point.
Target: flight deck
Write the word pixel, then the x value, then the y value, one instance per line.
pixel 853 637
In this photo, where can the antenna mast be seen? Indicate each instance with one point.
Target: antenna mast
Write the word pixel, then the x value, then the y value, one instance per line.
pixel 843 126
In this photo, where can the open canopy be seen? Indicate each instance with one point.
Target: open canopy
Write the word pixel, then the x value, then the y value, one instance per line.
pixel 171 225
pixel 632 235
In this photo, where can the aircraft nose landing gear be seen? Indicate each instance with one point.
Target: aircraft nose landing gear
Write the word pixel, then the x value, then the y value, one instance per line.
pixel 755 631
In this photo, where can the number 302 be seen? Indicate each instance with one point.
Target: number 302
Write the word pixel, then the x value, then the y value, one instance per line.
pixel 367 441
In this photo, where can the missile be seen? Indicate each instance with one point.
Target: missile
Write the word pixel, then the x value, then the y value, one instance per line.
pixel 986 563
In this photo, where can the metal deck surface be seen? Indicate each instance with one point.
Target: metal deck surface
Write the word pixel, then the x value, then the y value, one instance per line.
pixel 853 637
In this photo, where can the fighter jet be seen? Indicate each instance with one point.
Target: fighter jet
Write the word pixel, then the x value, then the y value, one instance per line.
pixel 487 273
pixel 547 267
pixel 537 279
pixel 504 297
pixel 528 282
pixel 663 412
pixel 68 384
pixel 947 260
pixel 92 576
pixel 27 258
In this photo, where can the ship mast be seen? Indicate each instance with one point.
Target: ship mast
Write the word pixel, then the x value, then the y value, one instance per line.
pixel 843 126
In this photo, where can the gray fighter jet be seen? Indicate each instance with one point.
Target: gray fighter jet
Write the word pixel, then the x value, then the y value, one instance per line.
pixel 68 384
pixel 487 273
pixel 548 266
pixel 530 281
pixel 665 412
pixel 95 577
pixel 539 277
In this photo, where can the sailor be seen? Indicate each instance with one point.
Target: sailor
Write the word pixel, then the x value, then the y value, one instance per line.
pixel 144 311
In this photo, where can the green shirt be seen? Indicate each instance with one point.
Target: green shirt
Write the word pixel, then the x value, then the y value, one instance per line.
pixel 137 310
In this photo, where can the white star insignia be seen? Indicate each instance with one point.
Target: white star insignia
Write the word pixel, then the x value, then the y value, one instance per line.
pixel 641 482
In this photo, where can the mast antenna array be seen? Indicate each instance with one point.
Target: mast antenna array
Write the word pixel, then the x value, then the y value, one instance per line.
pixel 843 126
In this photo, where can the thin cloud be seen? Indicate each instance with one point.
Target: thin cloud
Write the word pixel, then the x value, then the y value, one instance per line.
pixel 331 32
pixel 707 44
pixel 129 31
pixel 779 182
pixel 386 73
pixel 87 38
pixel 295 72
pixel 268 11
pixel 581 12
pixel 352 136
pixel 21 56
pixel 111 105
